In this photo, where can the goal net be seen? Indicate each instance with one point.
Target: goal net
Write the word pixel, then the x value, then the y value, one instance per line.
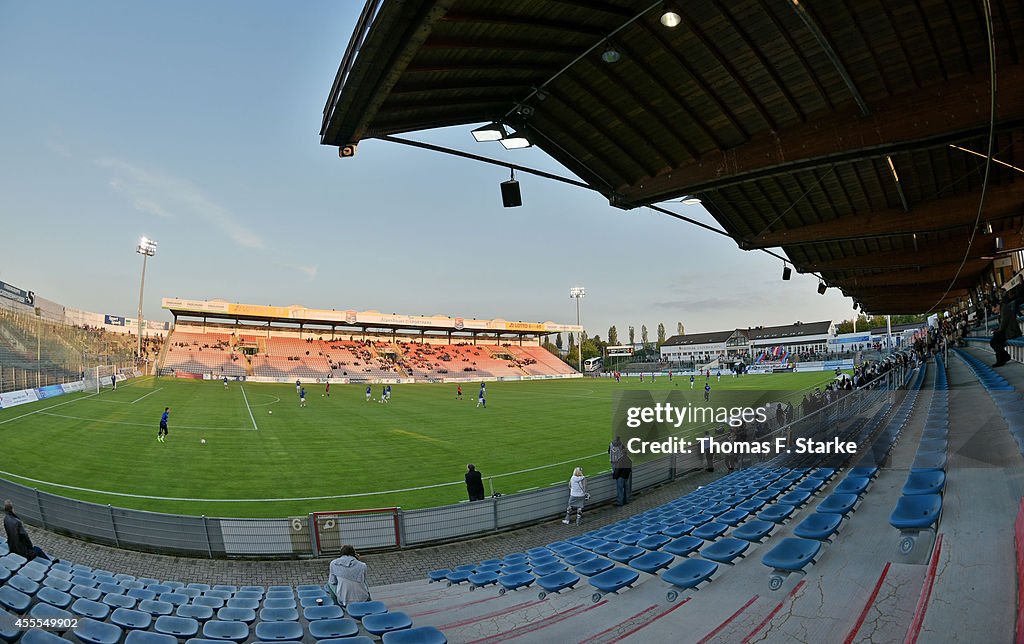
pixel 98 377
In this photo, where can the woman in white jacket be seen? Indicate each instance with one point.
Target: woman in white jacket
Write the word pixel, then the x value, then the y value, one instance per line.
pixel 577 495
pixel 348 577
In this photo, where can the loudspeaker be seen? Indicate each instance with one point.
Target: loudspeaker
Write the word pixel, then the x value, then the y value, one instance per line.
pixel 787 272
pixel 510 195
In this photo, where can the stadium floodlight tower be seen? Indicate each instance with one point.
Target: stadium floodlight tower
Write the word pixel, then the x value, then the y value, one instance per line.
pixel 146 248
pixel 577 293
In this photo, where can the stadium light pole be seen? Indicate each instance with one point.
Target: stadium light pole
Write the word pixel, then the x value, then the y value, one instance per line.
pixel 577 293
pixel 146 248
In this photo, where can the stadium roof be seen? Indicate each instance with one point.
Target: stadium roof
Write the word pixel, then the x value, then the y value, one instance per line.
pixel 713 337
pixel 797 329
pixel 847 134
pixel 300 315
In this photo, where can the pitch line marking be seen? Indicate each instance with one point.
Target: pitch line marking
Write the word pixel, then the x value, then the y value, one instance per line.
pixel 271 500
pixel 145 395
pixel 103 421
pixel 267 404
pixel 249 409
pixel 39 411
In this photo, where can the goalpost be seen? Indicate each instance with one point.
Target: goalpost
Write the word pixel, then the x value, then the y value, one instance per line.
pixel 98 377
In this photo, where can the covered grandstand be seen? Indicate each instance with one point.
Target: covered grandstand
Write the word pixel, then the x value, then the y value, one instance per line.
pixel 215 338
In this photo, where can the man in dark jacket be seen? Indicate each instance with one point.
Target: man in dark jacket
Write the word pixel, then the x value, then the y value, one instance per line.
pixel 1008 330
pixel 474 484
pixel 622 473
pixel 17 539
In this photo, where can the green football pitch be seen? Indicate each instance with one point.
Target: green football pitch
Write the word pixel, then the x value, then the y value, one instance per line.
pixel 264 456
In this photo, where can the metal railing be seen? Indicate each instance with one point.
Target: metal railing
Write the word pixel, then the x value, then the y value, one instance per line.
pixel 293 537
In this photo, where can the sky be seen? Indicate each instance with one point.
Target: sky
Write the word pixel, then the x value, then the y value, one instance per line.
pixel 197 124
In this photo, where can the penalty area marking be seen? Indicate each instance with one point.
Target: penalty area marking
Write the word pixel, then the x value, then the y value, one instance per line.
pixel 272 500
pixel 274 401
pixel 40 411
pixel 145 395
pixel 249 409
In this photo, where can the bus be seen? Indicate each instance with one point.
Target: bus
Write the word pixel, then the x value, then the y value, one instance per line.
pixel 593 364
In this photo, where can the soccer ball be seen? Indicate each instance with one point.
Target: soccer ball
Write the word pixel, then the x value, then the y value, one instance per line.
pixel 270 411
pixel 202 441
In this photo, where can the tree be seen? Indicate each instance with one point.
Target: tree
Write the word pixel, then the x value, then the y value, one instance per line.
pixel 661 333
pixel 572 342
pixel 643 334
pixel 558 342
pixel 552 348
pixel 632 336
pixel 680 329
pixel 613 336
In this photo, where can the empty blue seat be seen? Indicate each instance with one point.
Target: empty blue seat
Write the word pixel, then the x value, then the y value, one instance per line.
pixel 515 581
pixel 155 608
pixel 511 569
pixel 557 582
pixel 213 602
pixel 33 571
pixel 837 503
pixel 553 567
pixel 111 588
pixel 622 555
pixel 201 613
pixel 57 583
pixel 182 627
pixel 792 554
pixel 929 461
pixel 700 518
pixel 481 579
pixel 159 589
pixel 329 628
pixel 754 531
pixel 85 592
pixel 243 602
pixel 118 601
pixel 820 526
pixel 221 594
pixel 458 576
pixel 683 546
pixel 333 611
pixel 229 614
pixel 260 590
pixel 233 631
pixel 279 615
pixel 24 584
pixel 916 512
pixel 174 599
pixel 776 513
pixel 278 631
pixel 677 529
pixel 689 574
pixel 732 517
pixel 228 588
pixel 810 485
pixel 90 608
pixel 870 472
pixel 90 631
pixel 36 636
pixel 54 597
pixel 605 548
pixel 8 631
pixel 653 542
pixel 594 566
pixel 419 635
pixel 140 594
pixel 709 531
pixel 12 561
pixel 360 610
pixel 614 580
pixel 796 498
pixel 142 637
pixel 921 482
pixel 853 485
pixel 14 600
pixel 385 622
pixel 46 611
pixel 651 562
pixel 725 550
pixel 358 639
pixel 575 560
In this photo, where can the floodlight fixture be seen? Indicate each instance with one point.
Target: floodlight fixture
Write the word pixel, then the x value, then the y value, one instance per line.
pixel 822 287
pixel 146 247
pixel 690 200
pixel 490 132
pixel 516 141
pixel 670 17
